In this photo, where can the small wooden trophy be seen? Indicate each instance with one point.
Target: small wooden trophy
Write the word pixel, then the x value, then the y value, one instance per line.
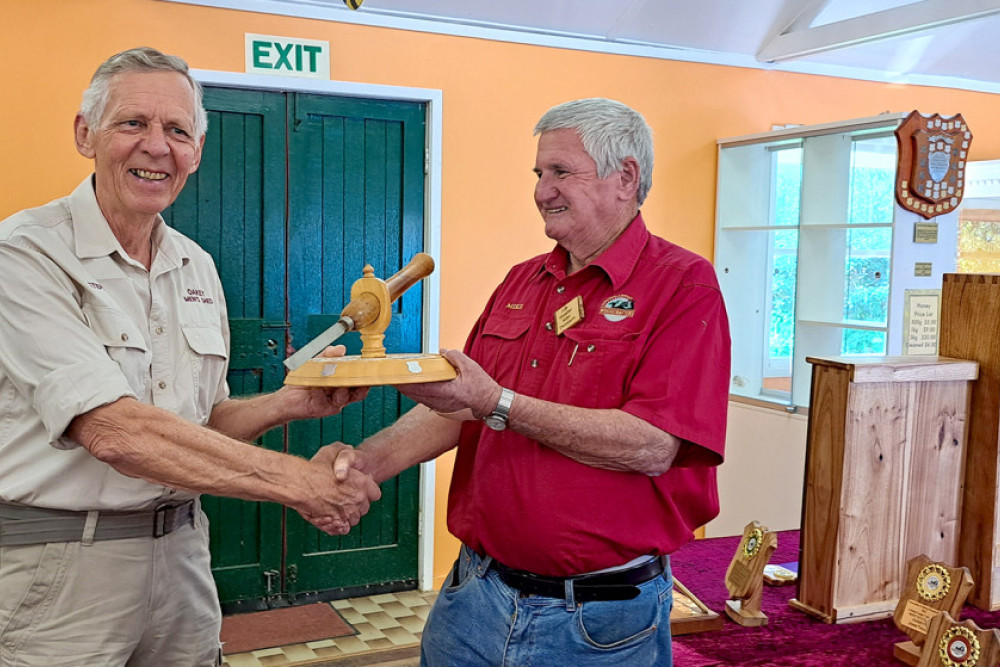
pixel 369 313
pixel 953 644
pixel 745 576
pixel 930 588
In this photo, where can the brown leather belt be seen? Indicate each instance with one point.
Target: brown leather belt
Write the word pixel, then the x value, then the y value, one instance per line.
pixel 616 585
pixel 22 524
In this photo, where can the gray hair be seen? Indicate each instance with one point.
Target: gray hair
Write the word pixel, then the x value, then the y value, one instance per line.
pixel 610 132
pixel 142 59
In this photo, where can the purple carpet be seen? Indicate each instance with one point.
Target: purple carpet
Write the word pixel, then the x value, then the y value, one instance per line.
pixel 790 638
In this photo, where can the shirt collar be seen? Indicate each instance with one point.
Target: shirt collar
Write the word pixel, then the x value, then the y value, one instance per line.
pixel 617 262
pixel 94 237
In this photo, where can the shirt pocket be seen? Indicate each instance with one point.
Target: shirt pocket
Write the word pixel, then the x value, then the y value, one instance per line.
pixel 209 361
pixel 597 370
pixel 501 345
pixel 124 343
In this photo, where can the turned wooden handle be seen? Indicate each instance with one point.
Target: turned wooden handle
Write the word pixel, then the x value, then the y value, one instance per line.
pixel 421 266
pixel 364 309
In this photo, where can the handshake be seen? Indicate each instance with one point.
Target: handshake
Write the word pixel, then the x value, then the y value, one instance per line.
pixel 343 481
pixel 339 490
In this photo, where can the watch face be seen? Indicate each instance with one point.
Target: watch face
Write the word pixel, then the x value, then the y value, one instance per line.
pixel 495 422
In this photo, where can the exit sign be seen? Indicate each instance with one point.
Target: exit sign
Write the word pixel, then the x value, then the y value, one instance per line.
pixel 286 56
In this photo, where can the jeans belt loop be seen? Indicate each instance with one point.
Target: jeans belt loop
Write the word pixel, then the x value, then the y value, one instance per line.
pixel 484 566
pixel 570 595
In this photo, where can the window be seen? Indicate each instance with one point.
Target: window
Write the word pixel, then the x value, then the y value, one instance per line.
pixel 806 236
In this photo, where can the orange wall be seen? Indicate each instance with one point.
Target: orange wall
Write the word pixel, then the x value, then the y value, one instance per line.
pixel 493 93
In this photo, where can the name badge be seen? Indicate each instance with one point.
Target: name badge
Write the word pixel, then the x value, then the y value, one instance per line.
pixel 569 315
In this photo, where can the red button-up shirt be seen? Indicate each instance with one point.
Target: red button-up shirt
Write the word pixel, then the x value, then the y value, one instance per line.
pixel 654 342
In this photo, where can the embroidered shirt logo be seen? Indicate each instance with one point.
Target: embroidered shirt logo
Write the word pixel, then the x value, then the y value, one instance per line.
pixel 197 296
pixel 515 306
pixel 617 308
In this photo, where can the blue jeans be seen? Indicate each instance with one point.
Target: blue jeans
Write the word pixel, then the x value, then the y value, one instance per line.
pixel 479 620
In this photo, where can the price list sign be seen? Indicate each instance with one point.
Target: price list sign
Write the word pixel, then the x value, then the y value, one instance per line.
pixel 922 313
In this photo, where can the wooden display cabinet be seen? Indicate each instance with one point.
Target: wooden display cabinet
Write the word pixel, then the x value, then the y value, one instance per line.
pixel 885 456
pixel 970 329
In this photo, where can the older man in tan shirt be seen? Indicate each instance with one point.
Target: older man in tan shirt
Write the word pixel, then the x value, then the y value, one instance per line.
pixel 114 409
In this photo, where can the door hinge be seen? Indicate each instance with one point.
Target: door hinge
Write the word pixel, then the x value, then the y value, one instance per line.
pixel 272 581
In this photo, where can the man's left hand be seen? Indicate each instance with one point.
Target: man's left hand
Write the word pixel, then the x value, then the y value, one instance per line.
pixel 316 402
pixel 472 394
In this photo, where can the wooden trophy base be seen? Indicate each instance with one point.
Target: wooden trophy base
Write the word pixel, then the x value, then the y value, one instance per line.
pixel 907 652
pixel 358 371
pixel 690 615
pixel 746 617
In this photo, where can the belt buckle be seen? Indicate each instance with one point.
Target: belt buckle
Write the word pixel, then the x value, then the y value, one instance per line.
pixel 165 518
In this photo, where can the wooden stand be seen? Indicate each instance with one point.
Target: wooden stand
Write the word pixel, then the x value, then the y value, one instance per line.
pixel 970 329
pixel 745 576
pixel 884 454
pixel 930 588
pixel 955 644
pixel 373 367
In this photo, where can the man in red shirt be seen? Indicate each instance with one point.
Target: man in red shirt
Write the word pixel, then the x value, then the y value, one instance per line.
pixel 589 414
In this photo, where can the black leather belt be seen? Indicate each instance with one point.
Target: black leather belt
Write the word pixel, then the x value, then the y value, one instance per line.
pixel 23 524
pixel 617 585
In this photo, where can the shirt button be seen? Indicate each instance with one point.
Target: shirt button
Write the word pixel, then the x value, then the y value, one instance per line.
pixel 159 330
pixel 162 384
pixel 534 363
pixel 561 289
pixel 591 348
pixel 548 326
pixel 124 336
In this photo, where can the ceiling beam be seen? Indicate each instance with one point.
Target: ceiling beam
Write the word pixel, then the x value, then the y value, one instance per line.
pixel 915 17
pixel 626 18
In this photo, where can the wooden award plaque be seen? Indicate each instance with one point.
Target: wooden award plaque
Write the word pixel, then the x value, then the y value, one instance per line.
pixel 930 176
pixel 953 644
pixel 745 576
pixel 930 589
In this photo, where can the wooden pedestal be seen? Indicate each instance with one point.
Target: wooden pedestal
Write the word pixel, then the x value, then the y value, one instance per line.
pixel 970 329
pixel 884 455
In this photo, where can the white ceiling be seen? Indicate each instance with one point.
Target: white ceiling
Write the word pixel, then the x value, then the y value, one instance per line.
pixel 953 43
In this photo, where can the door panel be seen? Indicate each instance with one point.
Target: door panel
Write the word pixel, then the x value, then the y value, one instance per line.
pixel 234 207
pixel 356 197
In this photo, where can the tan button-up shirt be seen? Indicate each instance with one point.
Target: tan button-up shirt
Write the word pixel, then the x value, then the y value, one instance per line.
pixel 82 325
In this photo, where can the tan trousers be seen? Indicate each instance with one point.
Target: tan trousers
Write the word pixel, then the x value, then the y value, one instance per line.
pixel 138 602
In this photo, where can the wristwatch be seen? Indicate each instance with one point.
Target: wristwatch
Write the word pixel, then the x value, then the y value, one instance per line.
pixel 497 420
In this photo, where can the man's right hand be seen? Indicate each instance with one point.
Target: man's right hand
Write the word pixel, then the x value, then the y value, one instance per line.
pixel 340 500
pixel 348 460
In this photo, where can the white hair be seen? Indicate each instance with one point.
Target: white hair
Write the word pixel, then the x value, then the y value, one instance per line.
pixel 142 59
pixel 610 132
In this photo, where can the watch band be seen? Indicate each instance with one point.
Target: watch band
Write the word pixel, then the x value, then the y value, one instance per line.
pixel 497 420
pixel 503 403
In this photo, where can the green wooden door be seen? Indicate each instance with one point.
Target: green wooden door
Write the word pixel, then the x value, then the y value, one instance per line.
pixel 234 207
pixel 257 206
pixel 356 196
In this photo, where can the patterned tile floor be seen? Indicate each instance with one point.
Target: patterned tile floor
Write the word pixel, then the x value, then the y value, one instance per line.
pixel 382 622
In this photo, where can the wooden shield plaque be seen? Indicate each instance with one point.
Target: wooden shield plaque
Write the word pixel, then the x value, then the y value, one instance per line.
pixel 931 587
pixel 930 177
pixel 953 644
